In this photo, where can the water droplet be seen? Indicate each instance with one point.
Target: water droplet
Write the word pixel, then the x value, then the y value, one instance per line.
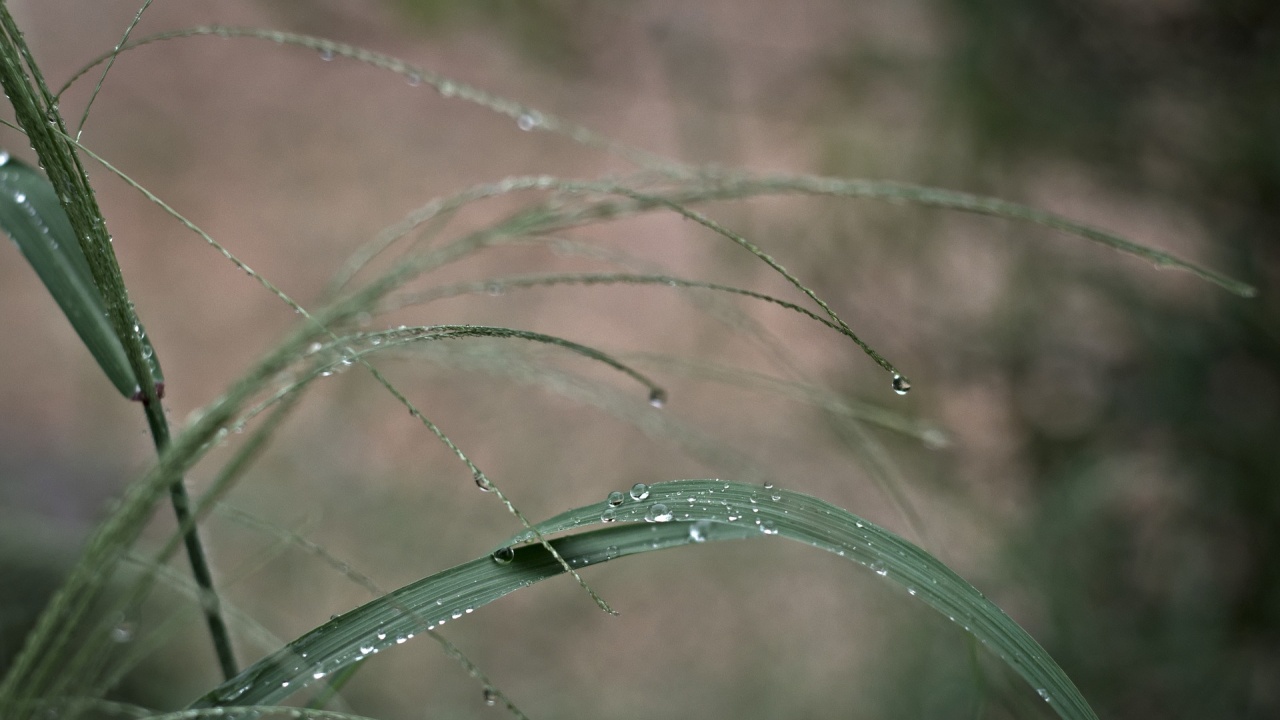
pixel 482 482
pixel 768 528
pixel 698 531
pixel 317 675
pixel 494 289
pixel 4 157
pixel 326 54
pixel 490 697
pixel 639 491
pixel 414 79
pixel 455 614
pixel 20 197
pixel 878 568
pixel 658 398
pixel 611 552
pixel 504 555
pixel 382 635
pixel 901 385
pixel 1044 694
pixel 367 649
pixel 615 498
pixel 401 640
pixel 447 88
pixel 658 513
pixel 122 632
pixel 609 515
pixel 528 121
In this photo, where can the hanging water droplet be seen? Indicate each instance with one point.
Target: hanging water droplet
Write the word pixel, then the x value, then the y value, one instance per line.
pixel 615 498
pixel 609 515
pixel 490 697
pixel 878 568
pixel 504 555
pixel 482 482
pixel 528 121
pixel 326 54
pixel 768 527
pixel 901 385
pixel 658 398
pixel 658 513
pixel 698 531
pixel 639 491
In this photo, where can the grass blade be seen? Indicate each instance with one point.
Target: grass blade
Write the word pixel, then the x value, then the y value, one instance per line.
pixel 677 513
pixel 31 214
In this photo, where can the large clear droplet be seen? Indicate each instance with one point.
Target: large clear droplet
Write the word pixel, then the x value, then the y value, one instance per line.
pixel 639 491
pixel 901 385
pixel 658 513
pixel 482 482
pixel 615 498
pixel 658 398
pixel 503 555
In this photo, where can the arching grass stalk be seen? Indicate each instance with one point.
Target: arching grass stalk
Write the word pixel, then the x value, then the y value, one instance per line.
pixel 656 517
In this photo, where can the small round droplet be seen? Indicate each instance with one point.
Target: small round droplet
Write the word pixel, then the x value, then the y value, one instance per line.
pixel 503 555
pixel 490 697
pixel 482 482
pixel 768 527
pixel 122 632
pixel 528 121
pixel 658 513
pixel 658 398
pixel 639 491
pixel 609 515
pixel 326 54
pixel 901 385
pixel 615 498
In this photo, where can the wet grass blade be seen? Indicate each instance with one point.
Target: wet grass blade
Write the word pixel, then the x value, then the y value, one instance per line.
pixel 661 516
pixel 31 214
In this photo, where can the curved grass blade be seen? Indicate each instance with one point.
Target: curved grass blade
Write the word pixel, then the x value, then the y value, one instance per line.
pixel 678 513
pixel 31 214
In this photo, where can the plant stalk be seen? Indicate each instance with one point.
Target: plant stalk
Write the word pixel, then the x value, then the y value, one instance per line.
pixel 37 113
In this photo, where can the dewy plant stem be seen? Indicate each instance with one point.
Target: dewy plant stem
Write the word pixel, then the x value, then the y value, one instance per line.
pixel 37 113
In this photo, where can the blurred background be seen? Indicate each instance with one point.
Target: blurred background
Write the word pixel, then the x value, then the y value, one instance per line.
pixel 1110 476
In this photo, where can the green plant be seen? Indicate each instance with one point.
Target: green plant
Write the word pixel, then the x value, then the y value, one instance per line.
pixel 64 661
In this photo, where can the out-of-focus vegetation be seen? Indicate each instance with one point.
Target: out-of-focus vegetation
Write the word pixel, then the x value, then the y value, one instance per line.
pixel 1111 476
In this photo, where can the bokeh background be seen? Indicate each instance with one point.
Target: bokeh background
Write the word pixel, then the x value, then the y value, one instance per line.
pixel 1111 473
